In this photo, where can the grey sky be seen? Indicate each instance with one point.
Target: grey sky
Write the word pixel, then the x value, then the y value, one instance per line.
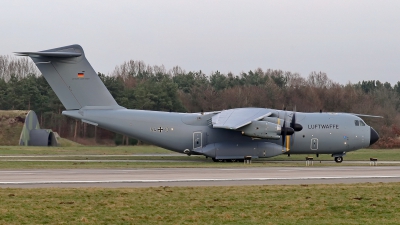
pixel 349 40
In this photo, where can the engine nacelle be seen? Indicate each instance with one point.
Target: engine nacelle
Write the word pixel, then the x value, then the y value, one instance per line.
pixel 295 127
pixel 273 120
pixel 262 129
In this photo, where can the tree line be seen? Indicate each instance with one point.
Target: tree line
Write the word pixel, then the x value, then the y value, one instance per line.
pixel 137 85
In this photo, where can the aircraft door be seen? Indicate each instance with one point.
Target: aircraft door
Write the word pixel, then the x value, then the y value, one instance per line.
pixel 314 143
pixel 197 140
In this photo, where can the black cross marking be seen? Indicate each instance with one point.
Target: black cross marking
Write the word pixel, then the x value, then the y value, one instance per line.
pixel 160 129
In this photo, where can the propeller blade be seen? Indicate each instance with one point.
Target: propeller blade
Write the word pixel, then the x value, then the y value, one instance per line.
pixel 295 126
pixel 293 123
pixel 284 132
pixel 288 143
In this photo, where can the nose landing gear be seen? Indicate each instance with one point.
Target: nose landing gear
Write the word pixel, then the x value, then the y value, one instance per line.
pixel 339 156
pixel 339 159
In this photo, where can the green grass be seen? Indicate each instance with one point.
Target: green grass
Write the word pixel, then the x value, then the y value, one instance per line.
pixel 63 142
pixel 82 150
pixel 363 154
pixel 297 204
pixel 133 153
pixel 109 165
pixel 159 164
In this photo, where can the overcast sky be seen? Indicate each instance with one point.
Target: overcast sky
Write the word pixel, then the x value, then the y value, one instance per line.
pixel 349 40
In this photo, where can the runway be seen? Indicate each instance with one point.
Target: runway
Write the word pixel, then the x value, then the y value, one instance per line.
pixel 197 176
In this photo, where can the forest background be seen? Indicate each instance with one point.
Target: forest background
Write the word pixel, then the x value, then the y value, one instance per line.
pixel 136 85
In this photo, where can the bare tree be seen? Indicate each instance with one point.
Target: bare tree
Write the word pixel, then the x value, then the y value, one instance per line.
pixel 20 67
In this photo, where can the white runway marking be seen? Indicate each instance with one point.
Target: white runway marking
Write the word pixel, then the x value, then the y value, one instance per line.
pixel 190 180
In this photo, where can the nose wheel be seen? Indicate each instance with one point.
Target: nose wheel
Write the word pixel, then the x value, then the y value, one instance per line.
pixel 339 159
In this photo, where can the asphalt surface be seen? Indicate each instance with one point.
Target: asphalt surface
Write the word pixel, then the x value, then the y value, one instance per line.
pixel 197 176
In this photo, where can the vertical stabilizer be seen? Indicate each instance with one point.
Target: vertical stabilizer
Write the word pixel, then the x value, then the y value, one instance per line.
pixel 72 77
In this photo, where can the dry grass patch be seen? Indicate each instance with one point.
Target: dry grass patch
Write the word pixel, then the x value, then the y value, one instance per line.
pixel 11 123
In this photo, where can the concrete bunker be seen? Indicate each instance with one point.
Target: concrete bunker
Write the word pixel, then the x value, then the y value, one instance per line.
pixel 32 135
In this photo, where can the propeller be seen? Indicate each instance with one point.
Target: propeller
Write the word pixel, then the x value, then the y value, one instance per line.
pixel 295 126
pixel 288 131
pixel 285 133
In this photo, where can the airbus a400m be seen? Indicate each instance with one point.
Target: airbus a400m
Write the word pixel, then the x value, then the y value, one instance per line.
pixel 227 135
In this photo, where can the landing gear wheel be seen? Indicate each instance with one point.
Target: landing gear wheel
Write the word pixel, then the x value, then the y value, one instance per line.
pixel 339 159
pixel 218 160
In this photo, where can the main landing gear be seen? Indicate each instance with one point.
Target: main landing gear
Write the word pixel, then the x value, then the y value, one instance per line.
pixel 218 160
pixel 227 160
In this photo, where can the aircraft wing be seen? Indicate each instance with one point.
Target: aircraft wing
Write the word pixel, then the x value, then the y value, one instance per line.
pixel 237 118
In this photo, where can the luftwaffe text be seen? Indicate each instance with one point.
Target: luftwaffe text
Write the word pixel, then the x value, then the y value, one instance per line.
pixel 323 126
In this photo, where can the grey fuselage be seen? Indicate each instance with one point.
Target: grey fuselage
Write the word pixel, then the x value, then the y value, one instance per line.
pixel 229 134
pixel 192 133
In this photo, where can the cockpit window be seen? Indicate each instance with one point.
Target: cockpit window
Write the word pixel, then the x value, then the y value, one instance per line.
pixel 356 122
pixel 362 123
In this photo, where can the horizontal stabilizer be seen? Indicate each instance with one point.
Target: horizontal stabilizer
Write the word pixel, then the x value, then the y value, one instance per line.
pixel 50 54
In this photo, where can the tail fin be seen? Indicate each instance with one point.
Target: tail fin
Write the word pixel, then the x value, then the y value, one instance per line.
pixel 72 78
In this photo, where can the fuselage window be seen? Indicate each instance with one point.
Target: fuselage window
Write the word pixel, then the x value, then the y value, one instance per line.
pixel 356 122
pixel 362 123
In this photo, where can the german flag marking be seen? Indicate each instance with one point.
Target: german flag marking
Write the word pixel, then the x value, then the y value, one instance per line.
pixel 81 75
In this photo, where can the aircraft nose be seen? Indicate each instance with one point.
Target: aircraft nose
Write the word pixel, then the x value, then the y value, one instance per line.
pixel 374 136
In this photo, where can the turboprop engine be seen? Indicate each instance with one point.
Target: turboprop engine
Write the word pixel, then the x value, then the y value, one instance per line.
pixel 262 129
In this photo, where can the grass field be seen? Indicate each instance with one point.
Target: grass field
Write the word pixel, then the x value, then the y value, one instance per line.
pixel 362 154
pixel 288 204
pixel 118 157
pixel 297 204
pixel 82 150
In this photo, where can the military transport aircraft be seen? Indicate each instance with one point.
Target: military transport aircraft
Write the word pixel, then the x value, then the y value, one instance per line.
pixel 227 135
